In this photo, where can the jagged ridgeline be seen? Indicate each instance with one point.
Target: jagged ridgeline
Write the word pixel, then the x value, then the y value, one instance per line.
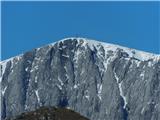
pixel 100 81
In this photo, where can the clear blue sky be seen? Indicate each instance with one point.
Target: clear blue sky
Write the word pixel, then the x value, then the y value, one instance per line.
pixel 27 25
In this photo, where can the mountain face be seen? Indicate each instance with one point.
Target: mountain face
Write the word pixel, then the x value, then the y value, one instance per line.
pixel 50 113
pixel 100 81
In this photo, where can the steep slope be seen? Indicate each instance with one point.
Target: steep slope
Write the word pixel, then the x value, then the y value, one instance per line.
pixel 49 113
pixel 99 80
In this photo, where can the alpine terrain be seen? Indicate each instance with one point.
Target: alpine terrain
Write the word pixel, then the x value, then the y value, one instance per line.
pixel 100 81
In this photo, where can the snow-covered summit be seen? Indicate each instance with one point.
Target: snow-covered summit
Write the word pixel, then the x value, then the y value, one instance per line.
pixel 138 54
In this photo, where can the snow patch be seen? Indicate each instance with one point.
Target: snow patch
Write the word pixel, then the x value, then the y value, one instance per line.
pixel 29 61
pixel 38 49
pixel 87 94
pixel 60 87
pixel 142 111
pixel 157 58
pixel 75 86
pixel 26 69
pixel 121 94
pixel 36 67
pixel 140 55
pixel 105 63
pixel 26 107
pixel 77 54
pixel 67 77
pixel 120 89
pixel 106 111
pixel 99 86
pixel 61 82
pixel 60 48
pixel 36 79
pixel 4 90
pixel 143 55
pixel 38 98
pixel 68 107
pixel 149 64
pixel 37 58
pixel 138 63
pixel 142 75
pixel 109 60
pixel 67 56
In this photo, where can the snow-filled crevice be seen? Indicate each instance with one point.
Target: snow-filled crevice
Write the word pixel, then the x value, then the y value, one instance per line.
pixel 99 86
pixel 38 98
pixel 75 64
pixel 3 91
pixel 125 113
pixel 27 60
pixel 120 89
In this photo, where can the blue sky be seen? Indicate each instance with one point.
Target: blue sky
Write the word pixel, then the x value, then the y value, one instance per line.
pixel 27 25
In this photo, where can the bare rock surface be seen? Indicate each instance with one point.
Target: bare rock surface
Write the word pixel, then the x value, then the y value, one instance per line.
pixel 100 81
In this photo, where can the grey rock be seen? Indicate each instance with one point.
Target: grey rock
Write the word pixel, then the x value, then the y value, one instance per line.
pixel 100 81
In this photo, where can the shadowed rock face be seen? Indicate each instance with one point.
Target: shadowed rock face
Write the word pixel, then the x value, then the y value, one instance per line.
pixel 49 113
pixel 98 80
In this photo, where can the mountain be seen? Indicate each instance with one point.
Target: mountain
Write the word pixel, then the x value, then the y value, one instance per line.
pixel 100 81
pixel 50 113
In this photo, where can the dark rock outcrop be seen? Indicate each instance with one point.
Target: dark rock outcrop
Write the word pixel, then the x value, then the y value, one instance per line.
pixel 49 113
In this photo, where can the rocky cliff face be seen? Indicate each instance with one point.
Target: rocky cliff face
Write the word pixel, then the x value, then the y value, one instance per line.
pixel 100 81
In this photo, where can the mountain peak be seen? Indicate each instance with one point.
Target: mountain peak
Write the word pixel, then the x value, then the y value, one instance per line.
pixel 90 77
pixel 138 54
pixel 133 53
